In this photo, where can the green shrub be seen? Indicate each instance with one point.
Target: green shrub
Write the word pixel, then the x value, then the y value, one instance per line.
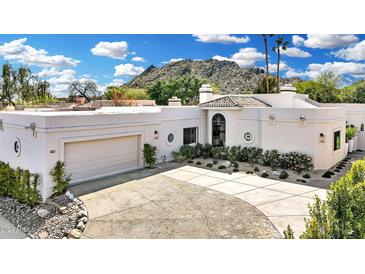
pixel 19 184
pixel 243 155
pixel 235 170
pixel 150 155
pixel 265 175
pixel 256 169
pixel 254 155
pixel 327 174
pixel 190 162
pixel 236 165
pixel 187 151
pixel 198 163
pixel 222 167
pixel 61 181
pixel 198 150
pixel 249 172
pixel 209 165
pixel 307 176
pixel 207 151
pixel 351 132
pixel 283 175
pixel 233 152
pixel 288 233
pixel 301 181
pixel 215 162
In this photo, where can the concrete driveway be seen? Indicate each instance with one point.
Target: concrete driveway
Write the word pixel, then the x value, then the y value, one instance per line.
pixel 282 202
pixel 191 202
pixel 9 231
pixel 161 206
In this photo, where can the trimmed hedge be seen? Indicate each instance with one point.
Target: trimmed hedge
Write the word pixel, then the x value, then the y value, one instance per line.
pixel 19 184
pixel 292 160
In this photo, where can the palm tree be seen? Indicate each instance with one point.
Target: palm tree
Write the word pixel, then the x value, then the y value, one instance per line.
pixel 267 61
pixel 280 45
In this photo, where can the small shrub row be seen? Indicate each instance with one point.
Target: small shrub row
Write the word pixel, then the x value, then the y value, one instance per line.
pixel 292 160
pixel 19 184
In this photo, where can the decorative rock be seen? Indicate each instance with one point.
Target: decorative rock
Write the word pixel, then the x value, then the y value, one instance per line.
pixel 82 213
pixel 226 163
pixel 43 235
pixel 74 234
pixel 63 209
pixel 80 226
pixel 83 219
pixel 83 207
pixel 42 212
pixel 70 195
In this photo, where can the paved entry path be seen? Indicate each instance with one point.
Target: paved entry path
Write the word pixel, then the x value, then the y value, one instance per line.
pixel 282 202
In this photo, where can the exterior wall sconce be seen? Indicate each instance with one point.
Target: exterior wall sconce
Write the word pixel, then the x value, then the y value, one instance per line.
pixel 362 127
pixel 1 125
pixel 272 119
pixel 301 120
pixel 32 127
pixel 322 138
pixel 156 134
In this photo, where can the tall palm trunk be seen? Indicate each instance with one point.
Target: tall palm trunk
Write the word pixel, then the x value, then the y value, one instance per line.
pixel 277 72
pixel 267 65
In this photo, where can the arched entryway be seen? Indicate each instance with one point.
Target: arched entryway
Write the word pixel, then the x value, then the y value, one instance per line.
pixel 218 130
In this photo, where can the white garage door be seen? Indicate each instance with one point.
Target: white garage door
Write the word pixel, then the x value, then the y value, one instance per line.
pixel 91 159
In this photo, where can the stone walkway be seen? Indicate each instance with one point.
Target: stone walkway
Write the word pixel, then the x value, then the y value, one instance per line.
pixel 282 202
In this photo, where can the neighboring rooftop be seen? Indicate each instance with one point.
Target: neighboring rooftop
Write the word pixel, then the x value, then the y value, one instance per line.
pixel 97 104
pixel 235 101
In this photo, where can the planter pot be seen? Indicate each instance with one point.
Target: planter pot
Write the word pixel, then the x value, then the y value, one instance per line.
pixel 351 145
pixel 355 147
pixel 347 148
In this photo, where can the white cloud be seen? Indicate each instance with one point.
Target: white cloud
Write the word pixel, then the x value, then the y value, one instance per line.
pixel 115 50
pixel 54 72
pixel 18 51
pixel 355 52
pixel 221 38
pixel 246 57
pixel 116 82
pixel 138 59
pixel 339 68
pixel 127 70
pixel 172 60
pixel 329 41
pixel 295 52
pixel 297 40
pixel 283 66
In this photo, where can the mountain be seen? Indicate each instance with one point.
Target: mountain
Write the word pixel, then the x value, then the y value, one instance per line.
pixel 227 75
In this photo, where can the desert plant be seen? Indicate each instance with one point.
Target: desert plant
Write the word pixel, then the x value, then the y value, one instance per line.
pixel 222 167
pixel 207 151
pixel 256 169
pixel 235 170
pixel 198 163
pixel 215 162
pixel 233 152
pixel 190 162
pixel 351 132
pixel 288 233
pixel 150 155
pixel 209 165
pixel 187 151
pixel 178 158
pixel 283 175
pixel 307 176
pixel 265 175
pixel 327 174
pixel 60 179
pixel 198 150
pixel 301 181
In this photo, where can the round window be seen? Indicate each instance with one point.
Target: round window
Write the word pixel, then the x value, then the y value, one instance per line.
pixel 17 147
pixel 248 136
pixel 170 138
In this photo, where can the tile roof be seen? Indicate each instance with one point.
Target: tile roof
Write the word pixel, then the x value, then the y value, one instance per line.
pixel 235 101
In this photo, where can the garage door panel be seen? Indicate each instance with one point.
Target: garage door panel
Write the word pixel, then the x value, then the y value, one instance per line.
pixel 97 158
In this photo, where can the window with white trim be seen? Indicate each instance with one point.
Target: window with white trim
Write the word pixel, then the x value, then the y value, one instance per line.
pixel 190 135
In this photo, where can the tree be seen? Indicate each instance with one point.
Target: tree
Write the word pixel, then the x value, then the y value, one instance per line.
pixel 323 89
pixel 87 89
pixel 342 215
pixel 280 45
pixel 185 88
pixel 267 61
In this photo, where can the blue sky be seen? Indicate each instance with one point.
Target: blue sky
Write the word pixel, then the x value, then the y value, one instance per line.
pixel 114 59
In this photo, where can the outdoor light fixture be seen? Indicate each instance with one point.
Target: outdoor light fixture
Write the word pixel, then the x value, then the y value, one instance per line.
pixel 301 120
pixel 322 138
pixel 32 127
pixel 156 134
pixel 362 127
pixel 272 119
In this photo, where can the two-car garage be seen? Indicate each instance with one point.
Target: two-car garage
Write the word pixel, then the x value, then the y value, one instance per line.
pixel 88 159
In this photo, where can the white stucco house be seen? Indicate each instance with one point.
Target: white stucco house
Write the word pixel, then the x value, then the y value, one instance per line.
pixel 110 140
